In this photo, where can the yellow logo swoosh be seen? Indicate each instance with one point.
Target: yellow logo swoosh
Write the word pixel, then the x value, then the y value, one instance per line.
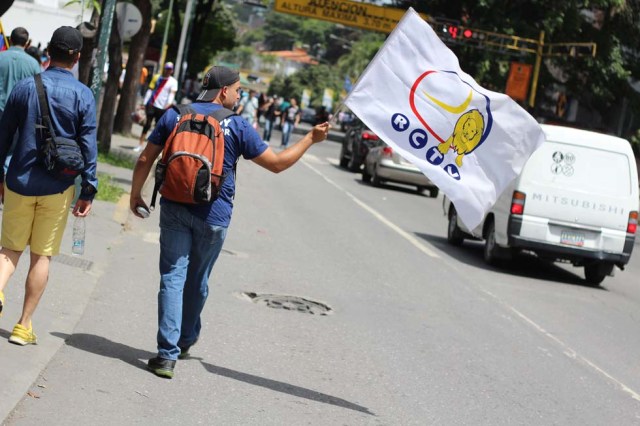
pixel 451 108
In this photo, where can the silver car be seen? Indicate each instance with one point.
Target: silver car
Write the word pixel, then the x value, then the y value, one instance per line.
pixel 382 164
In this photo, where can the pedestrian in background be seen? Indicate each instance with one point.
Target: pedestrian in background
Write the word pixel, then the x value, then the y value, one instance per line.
pixel 36 204
pixel 159 97
pixel 248 108
pixel 15 64
pixel 290 119
pixel 191 236
pixel 269 114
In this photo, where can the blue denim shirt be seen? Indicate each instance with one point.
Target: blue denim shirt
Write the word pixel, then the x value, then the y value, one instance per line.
pixel 73 113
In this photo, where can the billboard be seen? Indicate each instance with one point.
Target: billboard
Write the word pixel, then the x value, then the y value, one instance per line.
pixel 351 13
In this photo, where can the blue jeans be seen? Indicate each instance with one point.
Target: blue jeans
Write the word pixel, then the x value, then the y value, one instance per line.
pixel 268 127
pixel 189 248
pixel 287 128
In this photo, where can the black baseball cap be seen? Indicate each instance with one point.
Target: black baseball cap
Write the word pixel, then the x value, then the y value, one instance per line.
pixel 215 79
pixel 67 39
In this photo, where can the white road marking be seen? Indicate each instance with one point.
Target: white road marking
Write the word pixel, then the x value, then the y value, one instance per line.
pixel 567 350
pixel 332 161
pixel 413 240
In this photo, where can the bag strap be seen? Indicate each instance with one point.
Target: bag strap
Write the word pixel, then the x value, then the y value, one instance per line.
pixel 157 91
pixel 44 104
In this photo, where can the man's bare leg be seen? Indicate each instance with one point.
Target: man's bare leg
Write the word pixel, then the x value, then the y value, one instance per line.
pixel 34 287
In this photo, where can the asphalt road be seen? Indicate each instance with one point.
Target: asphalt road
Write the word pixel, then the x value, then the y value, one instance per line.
pixel 419 332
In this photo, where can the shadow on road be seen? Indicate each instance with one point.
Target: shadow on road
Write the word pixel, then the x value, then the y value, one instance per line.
pixel 283 387
pixel 523 265
pixel 102 346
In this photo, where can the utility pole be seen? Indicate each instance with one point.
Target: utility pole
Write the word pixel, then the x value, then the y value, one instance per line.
pixel 536 70
pixel 165 36
pixel 103 43
pixel 183 36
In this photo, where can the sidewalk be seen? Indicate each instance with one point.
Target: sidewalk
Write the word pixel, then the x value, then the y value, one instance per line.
pixel 72 282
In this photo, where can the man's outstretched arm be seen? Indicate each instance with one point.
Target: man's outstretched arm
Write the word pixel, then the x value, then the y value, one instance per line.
pixel 281 161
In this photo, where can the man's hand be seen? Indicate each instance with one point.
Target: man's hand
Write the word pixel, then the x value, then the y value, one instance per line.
pixel 320 132
pixel 82 208
pixel 134 203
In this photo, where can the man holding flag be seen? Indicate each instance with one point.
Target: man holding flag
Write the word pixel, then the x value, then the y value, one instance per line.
pixel 469 141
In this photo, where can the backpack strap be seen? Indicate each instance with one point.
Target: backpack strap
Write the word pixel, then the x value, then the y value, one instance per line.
pixel 44 104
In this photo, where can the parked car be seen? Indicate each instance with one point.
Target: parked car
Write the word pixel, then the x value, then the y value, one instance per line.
pixel 356 144
pixel 308 115
pixel 576 200
pixel 383 164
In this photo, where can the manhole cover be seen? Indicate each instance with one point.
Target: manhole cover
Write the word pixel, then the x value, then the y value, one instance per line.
pixel 289 303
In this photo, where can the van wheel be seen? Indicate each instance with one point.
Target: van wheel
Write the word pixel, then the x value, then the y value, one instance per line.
pixel 491 255
pixel 595 273
pixel 455 236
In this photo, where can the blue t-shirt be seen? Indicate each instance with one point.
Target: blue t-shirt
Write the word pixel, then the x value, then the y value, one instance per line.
pixel 240 139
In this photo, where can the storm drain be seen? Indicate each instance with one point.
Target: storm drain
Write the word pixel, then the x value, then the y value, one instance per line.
pixel 76 262
pixel 289 303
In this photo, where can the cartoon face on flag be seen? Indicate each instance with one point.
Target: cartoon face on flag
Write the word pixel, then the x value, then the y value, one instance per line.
pixel 471 142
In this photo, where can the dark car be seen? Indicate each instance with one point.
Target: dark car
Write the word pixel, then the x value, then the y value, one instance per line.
pixel 358 140
pixel 308 115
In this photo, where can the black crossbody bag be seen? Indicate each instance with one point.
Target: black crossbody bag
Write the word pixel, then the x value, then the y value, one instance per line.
pixel 61 157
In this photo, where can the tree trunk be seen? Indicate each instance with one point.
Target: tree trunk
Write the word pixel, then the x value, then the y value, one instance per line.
pixel 105 126
pixel 128 95
pixel 86 54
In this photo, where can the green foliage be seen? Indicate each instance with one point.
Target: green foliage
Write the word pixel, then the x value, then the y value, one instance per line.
pixel 92 4
pixel 218 33
pixel 108 190
pixel 118 160
pixel 362 51
pixel 316 79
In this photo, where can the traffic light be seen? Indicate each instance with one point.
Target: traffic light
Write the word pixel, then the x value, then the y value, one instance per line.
pixel 457 32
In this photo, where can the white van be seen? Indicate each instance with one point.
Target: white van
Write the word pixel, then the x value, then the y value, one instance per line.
pixel 576 200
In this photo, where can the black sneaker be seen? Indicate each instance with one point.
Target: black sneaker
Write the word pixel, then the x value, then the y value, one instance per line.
pixel 184 350
pixel 161 367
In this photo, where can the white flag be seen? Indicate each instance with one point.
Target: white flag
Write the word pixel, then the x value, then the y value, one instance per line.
pixel 469 141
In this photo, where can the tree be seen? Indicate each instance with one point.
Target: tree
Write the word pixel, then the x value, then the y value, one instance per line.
pixel 139 42
pixel 105 125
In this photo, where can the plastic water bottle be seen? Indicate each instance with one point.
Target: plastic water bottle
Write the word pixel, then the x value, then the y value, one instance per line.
pixel 78 236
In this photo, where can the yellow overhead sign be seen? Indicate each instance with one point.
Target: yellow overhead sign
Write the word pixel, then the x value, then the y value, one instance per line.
pixel 351 13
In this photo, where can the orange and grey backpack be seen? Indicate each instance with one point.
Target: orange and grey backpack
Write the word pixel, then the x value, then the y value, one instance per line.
pixel 190 170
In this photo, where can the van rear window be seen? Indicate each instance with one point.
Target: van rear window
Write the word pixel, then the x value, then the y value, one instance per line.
pixel 579 167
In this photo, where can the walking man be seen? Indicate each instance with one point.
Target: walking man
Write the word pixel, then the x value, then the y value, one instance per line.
pixel 191 236
pixel 290 119
pixel 15 64
pixel 36 205
pixel 159 97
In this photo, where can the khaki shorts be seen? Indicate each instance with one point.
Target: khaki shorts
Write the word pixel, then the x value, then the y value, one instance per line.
pixel 35 221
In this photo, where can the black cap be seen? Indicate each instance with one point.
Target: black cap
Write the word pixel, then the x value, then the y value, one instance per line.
pixel 214 80
pixel 67 39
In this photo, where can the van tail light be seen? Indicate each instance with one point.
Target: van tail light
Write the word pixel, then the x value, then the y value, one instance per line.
pixel 517 202
pixel 632 226
pixel 369 136
pixel 387 151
